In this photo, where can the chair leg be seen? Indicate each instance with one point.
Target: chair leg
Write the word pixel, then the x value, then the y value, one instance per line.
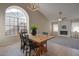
pixel 26 52
pixel 21 45
pixel 23 48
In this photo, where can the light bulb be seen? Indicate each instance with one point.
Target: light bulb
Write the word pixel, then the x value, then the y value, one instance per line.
pixel 59 19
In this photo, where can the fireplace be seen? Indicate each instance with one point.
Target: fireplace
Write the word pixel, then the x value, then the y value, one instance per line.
pixel 63 32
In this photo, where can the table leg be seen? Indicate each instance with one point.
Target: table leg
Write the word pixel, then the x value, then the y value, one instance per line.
pixel 41 50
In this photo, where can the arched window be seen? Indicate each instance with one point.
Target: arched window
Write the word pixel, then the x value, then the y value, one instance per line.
pixel 15 21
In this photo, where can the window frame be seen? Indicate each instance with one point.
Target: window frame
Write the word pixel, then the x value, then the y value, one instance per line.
pixel 54 23
pixel 16 31
pixel 77 23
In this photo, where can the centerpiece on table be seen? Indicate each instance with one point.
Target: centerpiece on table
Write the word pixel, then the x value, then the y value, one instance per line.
pixel 34 29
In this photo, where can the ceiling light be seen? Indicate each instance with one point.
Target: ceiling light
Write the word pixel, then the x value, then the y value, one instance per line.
pixel 33 6
pixel 59 19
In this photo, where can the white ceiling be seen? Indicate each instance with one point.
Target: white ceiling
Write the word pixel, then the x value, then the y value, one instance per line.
pixel 51 10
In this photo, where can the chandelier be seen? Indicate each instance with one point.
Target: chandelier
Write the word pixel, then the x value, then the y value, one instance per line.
pixel 60 19
pixel 33 6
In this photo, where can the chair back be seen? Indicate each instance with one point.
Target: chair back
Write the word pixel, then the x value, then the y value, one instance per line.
pixel 45 33
pixel 25 37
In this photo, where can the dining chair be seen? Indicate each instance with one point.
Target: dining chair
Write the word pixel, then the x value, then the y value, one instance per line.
pixel 45 33
pixel 28 45
pixel 22 41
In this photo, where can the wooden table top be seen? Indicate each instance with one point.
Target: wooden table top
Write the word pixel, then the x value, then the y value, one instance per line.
pixel 40 38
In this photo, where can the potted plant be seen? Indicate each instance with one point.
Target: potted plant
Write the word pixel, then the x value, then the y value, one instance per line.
pixel 34 29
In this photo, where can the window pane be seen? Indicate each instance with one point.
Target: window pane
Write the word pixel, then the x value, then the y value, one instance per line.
pixel 55 27
pixel 12 23
pixel 75 27
pixel 12 19
pixel 7 22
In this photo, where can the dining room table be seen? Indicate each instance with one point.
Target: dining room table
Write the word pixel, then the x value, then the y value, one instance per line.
pixel 41 41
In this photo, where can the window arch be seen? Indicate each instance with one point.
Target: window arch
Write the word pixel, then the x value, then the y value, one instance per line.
pixel 16 19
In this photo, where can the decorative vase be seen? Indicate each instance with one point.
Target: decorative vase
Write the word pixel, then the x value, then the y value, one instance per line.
pixel 34 32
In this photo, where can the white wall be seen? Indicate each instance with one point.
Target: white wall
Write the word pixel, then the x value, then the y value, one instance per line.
pixel 40 20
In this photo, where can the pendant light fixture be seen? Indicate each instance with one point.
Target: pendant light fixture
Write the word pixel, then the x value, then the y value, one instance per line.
pixel 33 6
